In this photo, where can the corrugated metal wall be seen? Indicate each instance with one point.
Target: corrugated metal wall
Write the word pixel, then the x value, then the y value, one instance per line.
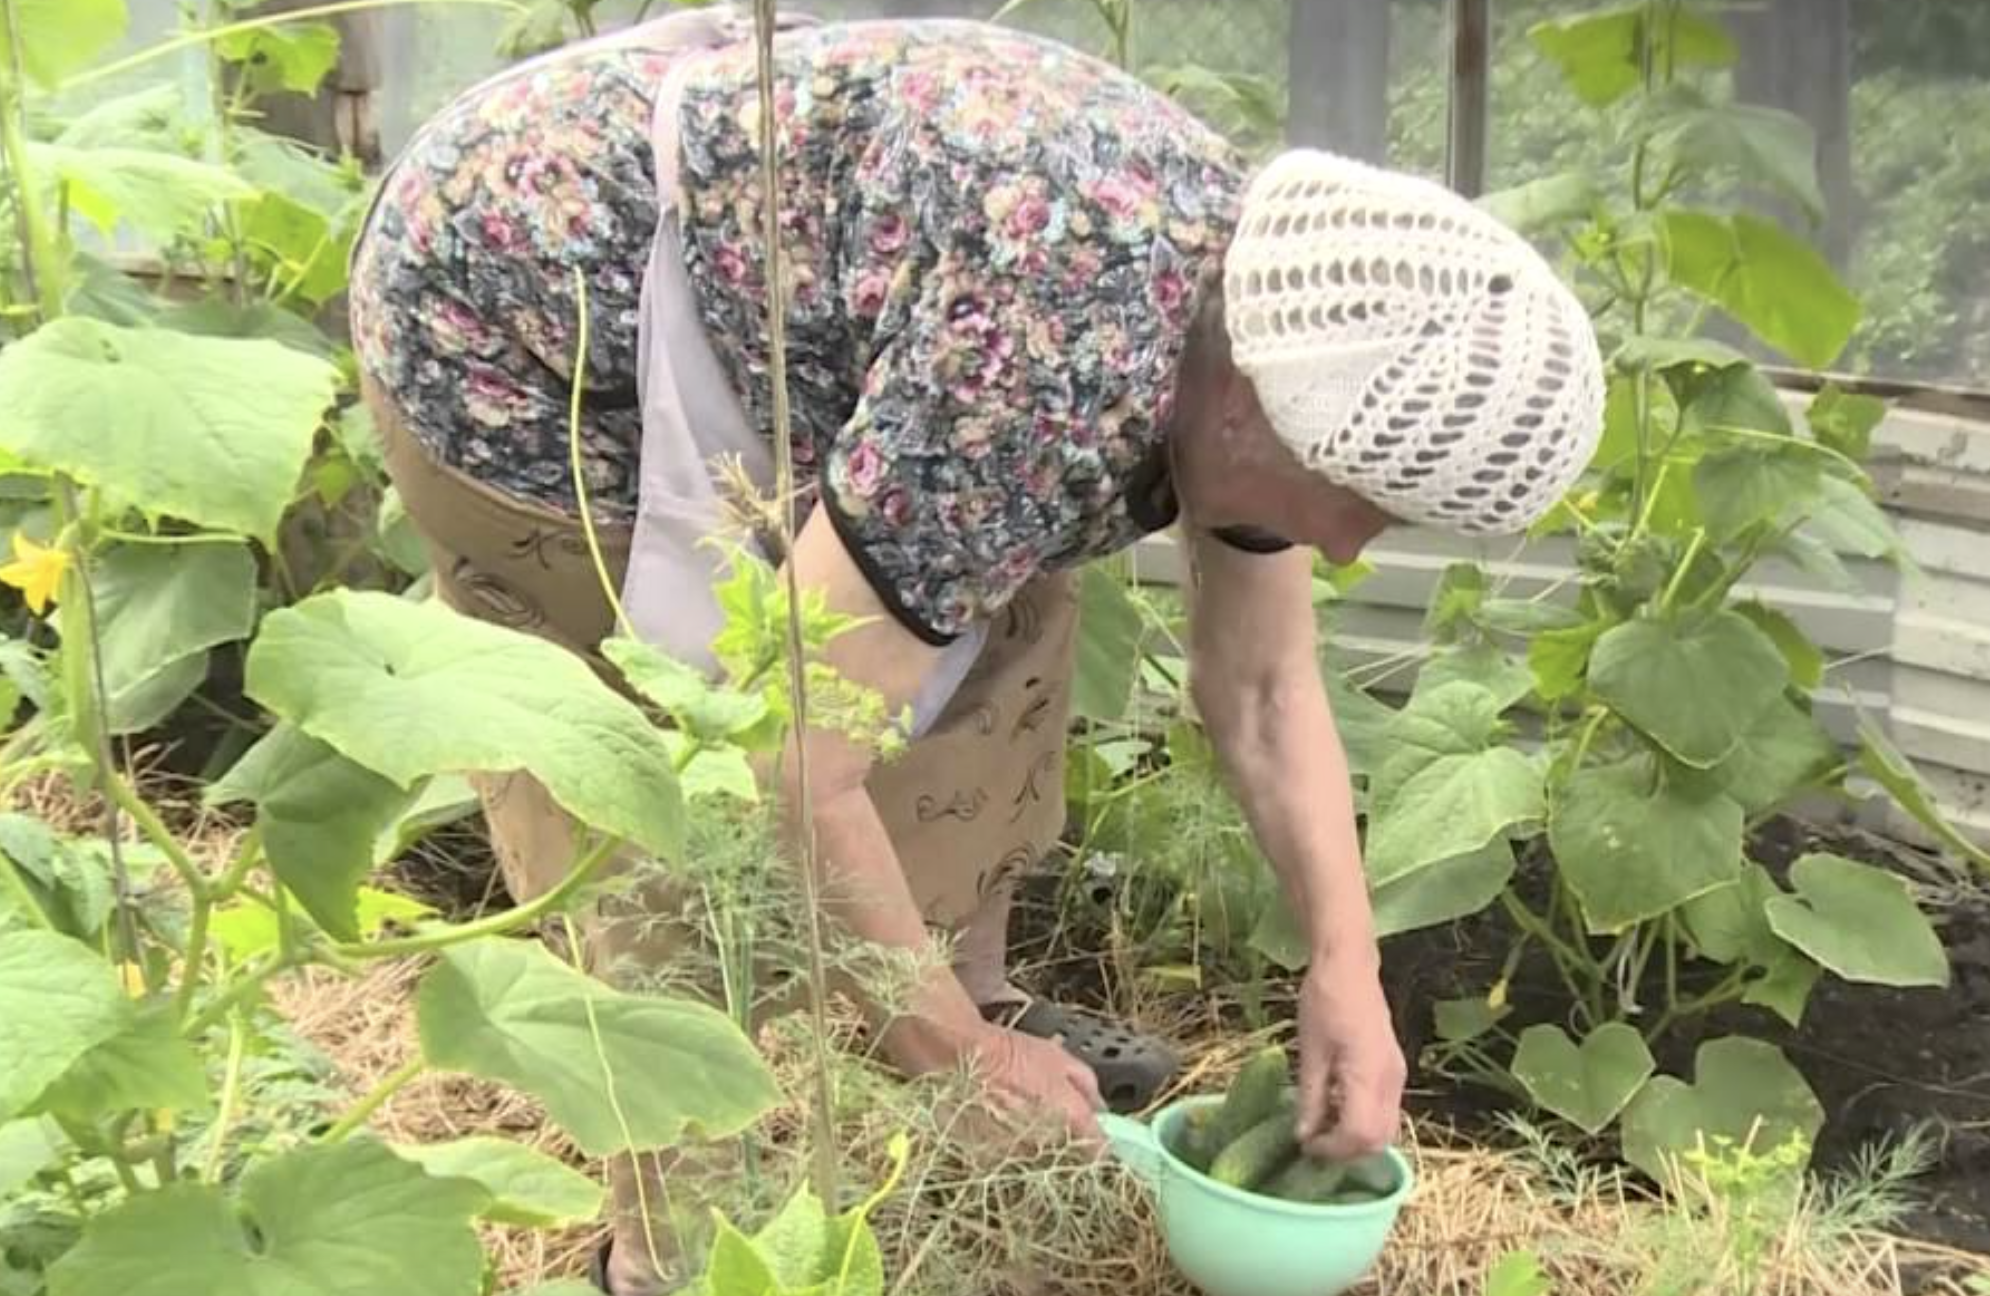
pixel 1937 486
pixel 1912 652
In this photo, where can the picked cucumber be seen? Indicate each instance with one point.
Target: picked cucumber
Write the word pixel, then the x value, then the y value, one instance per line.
pixel 1192 1142
pixel 1252 1158
pixel 1306 1180
pixel 1371 1175
pixel 1255 1094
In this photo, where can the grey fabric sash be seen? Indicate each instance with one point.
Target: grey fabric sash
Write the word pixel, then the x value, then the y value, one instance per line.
pixel 693 421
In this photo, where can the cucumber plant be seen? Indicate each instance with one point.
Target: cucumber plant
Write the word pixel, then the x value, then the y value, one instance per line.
pixel 165 232
pixel 1671 711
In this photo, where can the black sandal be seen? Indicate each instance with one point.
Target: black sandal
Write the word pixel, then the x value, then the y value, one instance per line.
pixel 1131 1068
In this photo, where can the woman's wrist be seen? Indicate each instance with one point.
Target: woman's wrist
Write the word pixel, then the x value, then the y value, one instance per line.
pixel 936 1031
pixel 1344 941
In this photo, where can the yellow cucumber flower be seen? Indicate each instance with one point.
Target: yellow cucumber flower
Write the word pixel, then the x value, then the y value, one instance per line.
pixel 36 571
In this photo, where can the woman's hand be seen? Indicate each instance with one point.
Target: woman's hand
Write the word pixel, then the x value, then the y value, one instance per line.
pixel 1029 1079
pixel 1029 1086
pixel 1351 1069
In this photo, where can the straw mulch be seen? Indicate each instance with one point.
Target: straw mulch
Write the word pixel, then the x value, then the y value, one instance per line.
pixel 1083 1230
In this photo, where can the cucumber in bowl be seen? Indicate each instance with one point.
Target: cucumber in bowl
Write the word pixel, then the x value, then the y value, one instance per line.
pixel 1250 1142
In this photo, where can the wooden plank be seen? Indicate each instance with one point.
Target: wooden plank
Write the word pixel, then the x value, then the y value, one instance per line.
pixel 1938 493
pixel 1964 798
pixel 1409 565
pixel 1945 644
pixel 1945 547
pixel 1943 440
pixel 1936 717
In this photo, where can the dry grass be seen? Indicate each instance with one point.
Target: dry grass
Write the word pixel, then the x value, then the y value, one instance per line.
pixel 1069 1229
pixel 1065 1228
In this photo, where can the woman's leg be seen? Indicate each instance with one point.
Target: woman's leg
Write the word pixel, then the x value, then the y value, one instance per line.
pixel 511 563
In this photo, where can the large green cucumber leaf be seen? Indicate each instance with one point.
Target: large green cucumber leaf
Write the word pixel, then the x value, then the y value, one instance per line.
pixel 60 37
pixel 1454 806
pixel 322 817
pixel 147 1066
pixel 1694 686
pixel 1442 892
pixel 410 690
pixel 1744 1091
pixel 611 1068
pixel 1775 283
pixel 166 422
pixel 1631 850
pixel 161 195
pixel 340 1219
pixel 1860 922
pixel 1587 1084
pixel 157 606
pixel 527 1188
pixel 58 1000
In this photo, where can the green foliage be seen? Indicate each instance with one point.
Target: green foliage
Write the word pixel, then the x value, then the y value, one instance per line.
pixel 162 423
pixel 1859 922
pixel 296 57
pixel 410 690
pixel 1744 1092
pixel 60 1000
pixel 59 37
pixel 161 608
pixel 1673 714
pixel 341 1219
pixel 1518 1273
pixel 527 1188
pixel 510 1011
pixel 1630 851
pixel 321 815
pixel 1602 55
pixel 804 1250
pixel 1109 645
pixel 194 500
pixel 1451 788
pixel 1886 766
pixel 1588 1084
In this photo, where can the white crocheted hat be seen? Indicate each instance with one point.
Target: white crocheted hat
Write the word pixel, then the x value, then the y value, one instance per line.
pixel 1410 347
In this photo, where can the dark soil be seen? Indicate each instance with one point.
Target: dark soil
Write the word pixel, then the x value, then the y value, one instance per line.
pixel 1884 1063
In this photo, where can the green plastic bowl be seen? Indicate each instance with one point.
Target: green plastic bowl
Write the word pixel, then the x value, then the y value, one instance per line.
pixel 1232 1243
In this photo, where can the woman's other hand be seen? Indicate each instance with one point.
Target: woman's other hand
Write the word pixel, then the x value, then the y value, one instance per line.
pixel 1351 1068
pixel 1028 1088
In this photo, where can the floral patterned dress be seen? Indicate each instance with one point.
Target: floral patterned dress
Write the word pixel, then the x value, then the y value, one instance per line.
pixel 995 246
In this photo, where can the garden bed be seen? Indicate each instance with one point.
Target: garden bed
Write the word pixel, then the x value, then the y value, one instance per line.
pixel 1083 1231
pixel 1885 1064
